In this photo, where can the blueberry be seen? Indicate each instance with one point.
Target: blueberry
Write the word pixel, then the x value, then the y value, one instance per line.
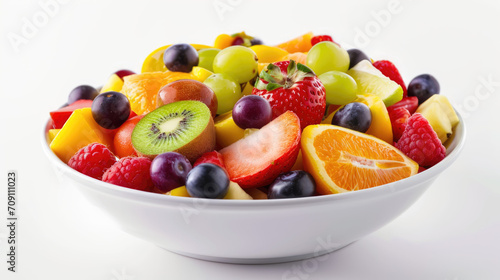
pixel 256 41
pixel 180 58
pixel 291 185
pixel 355 56
pixel 110 109
pixel 356 116
pixel 207 180
pixel 423 87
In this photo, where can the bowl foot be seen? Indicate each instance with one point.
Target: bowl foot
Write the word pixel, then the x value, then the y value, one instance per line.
pixel 258 260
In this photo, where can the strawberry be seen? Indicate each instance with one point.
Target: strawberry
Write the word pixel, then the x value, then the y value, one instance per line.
pixel 390 71
pixel 398 116
pixel 290 86
pixel 210 157
pixel 409 103
pixel 259 158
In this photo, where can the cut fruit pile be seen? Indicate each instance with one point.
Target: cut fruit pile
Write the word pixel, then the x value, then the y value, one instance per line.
pixel 245 120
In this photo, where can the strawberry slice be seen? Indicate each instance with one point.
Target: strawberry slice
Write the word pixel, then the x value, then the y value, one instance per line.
pixel 259 158
pixel 322 38
pixel 60 116
pixel 399 116
pixel 210 157
pixel 390 71
pixel 409 103
pixel 291 86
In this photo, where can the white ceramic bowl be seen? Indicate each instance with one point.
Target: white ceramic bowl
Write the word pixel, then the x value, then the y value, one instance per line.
pixel 255 231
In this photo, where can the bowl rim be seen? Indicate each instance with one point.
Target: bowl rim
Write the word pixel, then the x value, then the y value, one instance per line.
pixel 456 145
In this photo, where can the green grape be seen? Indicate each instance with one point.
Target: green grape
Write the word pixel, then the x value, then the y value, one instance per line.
pixel 206 57
pixel 327 56
pixel 227 90
pixel 340 88
pixel 238 61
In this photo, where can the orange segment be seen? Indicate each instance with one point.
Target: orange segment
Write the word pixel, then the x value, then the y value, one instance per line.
pixel 342 160
pixel 142 89
pixel 299 57
pixel 299 44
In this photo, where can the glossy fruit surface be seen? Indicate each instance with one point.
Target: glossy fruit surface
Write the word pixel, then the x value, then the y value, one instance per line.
pixel 340 88
pixel 207 180
pixel 291 86
pixel 142 89
pixel 327 56
pixel 82 92
pixel 423 87
pixel 111 109
pixel 342 160
pixel 169 171
pixel 227 90
pixel 60 116
pixel 188 90
pixel 266 153
pixel 298 44
pixel 226 130
pixel 252 111
pixel 292 184
pixel 355 56
pixel 180 58
pixel 355 116
pixel 237 61
pixel 206 58
pixel 122 141
pixel 154 61
pixel 124 73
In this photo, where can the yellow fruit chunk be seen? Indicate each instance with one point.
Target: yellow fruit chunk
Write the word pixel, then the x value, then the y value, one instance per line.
pixel 201 74
pixel 226 131
pixel 142 89
pixel 268 54
pixel 223 41
pixel 154 61
pixel 78 131
pixel 381 123
pixel 261 66
pixel 236 192
pixel 440 114
pixel 180 191
pixel 342 160
pixel 51 134
pixel 256 193
pixel 299 44
pixel 247 90
pixel 114 83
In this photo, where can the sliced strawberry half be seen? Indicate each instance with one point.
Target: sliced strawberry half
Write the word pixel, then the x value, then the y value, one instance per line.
pixel 409 103
pixel 390 71
pixel 59 117
pixel 259 158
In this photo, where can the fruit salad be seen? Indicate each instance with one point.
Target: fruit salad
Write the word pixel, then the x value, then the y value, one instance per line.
pixel 245 120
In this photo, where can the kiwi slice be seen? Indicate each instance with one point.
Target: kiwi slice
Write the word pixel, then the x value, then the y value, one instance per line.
pixel 185 127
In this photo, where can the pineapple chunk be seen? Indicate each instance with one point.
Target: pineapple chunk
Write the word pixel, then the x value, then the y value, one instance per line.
pixel 445 106
pixel 438 119
pixel 78 131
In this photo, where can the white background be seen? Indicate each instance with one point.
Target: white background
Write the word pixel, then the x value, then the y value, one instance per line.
pixel 452 232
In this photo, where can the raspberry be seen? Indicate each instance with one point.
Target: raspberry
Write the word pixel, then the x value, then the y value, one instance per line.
pixel 390 71
pixel 321 38
pixel 398 116
pixel 210 157
pixel 92 160
pixel 420 142
pixel 409 103
pixel 130 172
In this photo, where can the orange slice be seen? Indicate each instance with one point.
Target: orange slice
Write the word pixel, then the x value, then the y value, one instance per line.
pixel 299 57
pixel 142 89
pixel 299 44
pixel 342 160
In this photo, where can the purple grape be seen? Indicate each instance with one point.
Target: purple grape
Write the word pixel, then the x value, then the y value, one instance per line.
pixel 292 184
pixel 356 116
pixel 82 92
pixel 110 109
pixel 423 87
pixel 169 171
pixel 256 41
pixel 355 56
pixel 252 111
pixel 180 58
